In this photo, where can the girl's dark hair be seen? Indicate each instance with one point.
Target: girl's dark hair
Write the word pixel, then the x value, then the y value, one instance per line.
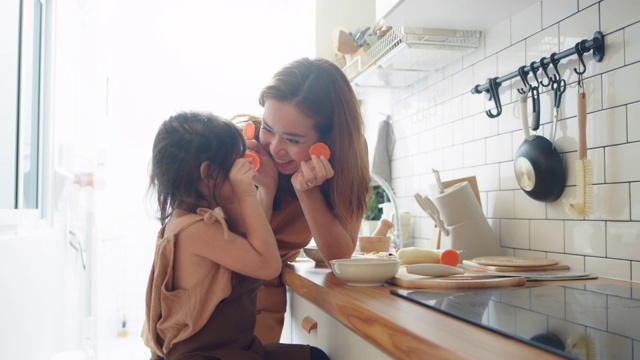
pixel 182 144
pixel 321 90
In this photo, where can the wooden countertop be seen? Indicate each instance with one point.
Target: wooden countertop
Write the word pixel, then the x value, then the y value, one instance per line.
pixel 401 328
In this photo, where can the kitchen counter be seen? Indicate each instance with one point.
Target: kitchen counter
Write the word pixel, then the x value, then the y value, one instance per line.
pixel 403 329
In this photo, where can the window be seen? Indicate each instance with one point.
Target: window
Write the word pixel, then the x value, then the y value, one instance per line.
pixel 21 105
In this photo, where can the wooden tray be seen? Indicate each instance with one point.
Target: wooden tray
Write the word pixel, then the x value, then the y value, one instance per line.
pixel 410 281
pixel 470 264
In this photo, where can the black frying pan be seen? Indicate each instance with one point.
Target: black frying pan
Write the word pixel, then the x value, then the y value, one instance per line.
pixel 539 169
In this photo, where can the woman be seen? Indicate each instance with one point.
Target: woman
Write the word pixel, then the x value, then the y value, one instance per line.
pixel 309 101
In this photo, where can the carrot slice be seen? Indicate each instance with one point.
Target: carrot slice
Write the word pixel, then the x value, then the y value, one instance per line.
pixel 249 130
pixel 320 149
pixel 255 160
pixel 449 257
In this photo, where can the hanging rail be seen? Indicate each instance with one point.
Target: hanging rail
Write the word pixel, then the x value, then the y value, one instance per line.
pixel 491 86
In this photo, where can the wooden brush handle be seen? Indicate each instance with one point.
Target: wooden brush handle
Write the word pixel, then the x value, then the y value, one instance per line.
pixel 582 126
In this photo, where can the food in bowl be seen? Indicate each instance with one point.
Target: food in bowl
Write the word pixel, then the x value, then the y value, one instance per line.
pixel 313 253
pixel 365 271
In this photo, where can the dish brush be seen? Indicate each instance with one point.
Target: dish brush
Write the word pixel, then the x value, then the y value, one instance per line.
pixel 583 203
pixel 581 345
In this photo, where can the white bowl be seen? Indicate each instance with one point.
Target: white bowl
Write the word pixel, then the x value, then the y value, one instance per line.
pixel 365 271
pixel 313 253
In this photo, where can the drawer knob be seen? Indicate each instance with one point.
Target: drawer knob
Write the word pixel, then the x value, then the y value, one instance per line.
pixel 308 324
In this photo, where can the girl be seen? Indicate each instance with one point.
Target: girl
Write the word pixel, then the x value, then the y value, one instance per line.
pixel 309 101
pixel 201 294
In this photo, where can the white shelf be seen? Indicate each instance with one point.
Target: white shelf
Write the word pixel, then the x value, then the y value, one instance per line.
pixel 407 54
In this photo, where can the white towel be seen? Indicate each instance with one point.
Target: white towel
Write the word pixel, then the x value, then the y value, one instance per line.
pixel 384 149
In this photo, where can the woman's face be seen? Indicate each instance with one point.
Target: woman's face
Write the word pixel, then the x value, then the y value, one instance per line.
pixel 287 134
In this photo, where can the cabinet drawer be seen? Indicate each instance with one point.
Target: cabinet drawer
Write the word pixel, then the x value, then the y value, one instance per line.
pixel 328 333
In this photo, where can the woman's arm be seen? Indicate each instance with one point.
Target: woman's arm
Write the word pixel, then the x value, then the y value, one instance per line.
pixel 334 240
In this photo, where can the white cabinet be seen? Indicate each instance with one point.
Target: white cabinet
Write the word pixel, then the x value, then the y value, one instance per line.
pixel 328 333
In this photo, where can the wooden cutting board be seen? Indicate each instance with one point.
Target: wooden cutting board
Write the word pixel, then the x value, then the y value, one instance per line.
pixel 410 281
pixel 474 265
pixel 514 261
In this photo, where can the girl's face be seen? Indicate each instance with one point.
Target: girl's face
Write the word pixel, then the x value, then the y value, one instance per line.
pixel 287 134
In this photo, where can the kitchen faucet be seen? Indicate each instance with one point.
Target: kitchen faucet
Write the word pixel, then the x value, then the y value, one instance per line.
pixel 397 232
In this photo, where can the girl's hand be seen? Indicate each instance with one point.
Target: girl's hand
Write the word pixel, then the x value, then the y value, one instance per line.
pixel 241 178
pixel 267 175
pixel 313 172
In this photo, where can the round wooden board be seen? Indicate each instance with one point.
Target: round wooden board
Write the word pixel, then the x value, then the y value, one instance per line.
pixel 513 261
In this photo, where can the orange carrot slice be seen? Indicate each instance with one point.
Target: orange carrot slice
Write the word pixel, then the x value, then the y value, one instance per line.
pixel 320 149
pixel 449 257
pixel 249 130
pixel 255 160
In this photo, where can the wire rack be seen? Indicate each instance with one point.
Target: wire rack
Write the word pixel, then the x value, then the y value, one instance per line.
pixel 415 38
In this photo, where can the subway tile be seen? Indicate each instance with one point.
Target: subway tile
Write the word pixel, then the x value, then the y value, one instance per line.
pixel 635 271
pixel 624 317
pixel 547 235
pixel 482 70
pixel 631 46
pixel 621 86
pixel 488 177
pixel 463 130
pixel 597 164
pixel 557 209
pixel 615 269
pixel 548 300
pixel 635 201
pixel 586 3
pixel 530 323
pixel 611 202
pixel 553 11
pixel 453 157
pixel 528 208
pixel 623 240
pixel 633 121
pixel 499 148
pixel 484 127
pixel 585 238
pixel 620 162
pixel 443 136
pixel 540 44
pixel 575 262
pixel 615 14
pixel 510 119
pixel 507 177
pixel 474 153
pixel 500 204
pixel 607 127
pixel 514 233
pixel 497 37
pixel 526 22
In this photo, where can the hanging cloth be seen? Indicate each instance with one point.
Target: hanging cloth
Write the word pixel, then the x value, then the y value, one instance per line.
pixel 384 150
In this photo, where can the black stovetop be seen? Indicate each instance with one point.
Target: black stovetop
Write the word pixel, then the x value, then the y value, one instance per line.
pixel 549 317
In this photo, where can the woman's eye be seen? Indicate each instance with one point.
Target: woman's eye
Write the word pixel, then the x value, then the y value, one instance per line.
pixel 293 141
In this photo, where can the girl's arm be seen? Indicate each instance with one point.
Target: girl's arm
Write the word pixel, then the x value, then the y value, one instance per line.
pixel 256 255
pixel 266 178
pixel 334 240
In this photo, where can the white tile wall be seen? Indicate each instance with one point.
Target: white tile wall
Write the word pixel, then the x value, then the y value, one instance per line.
pixel 440 124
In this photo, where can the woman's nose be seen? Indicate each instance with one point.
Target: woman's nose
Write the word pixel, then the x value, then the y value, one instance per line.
pixel 277 146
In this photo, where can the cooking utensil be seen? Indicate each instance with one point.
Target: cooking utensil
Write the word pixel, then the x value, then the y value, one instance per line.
pixel 438 181
pixel 432 210
pixel 538 166
pixel 474 265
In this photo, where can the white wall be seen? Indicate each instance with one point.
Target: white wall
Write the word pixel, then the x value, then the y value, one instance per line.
pixel 440 124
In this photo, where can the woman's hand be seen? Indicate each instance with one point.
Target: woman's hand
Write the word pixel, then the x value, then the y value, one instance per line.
pixel 313 172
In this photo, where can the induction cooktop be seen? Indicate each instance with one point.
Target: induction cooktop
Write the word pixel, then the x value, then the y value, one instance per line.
pixel 551 317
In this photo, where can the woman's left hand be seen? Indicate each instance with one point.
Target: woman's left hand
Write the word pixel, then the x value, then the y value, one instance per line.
pixel 313 172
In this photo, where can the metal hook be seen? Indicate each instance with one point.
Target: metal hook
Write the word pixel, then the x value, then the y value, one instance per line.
pixel 495 96
pixel 555 62
pixel 534 72
pixel 580 53
pixel 545 70
pixel 523 77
